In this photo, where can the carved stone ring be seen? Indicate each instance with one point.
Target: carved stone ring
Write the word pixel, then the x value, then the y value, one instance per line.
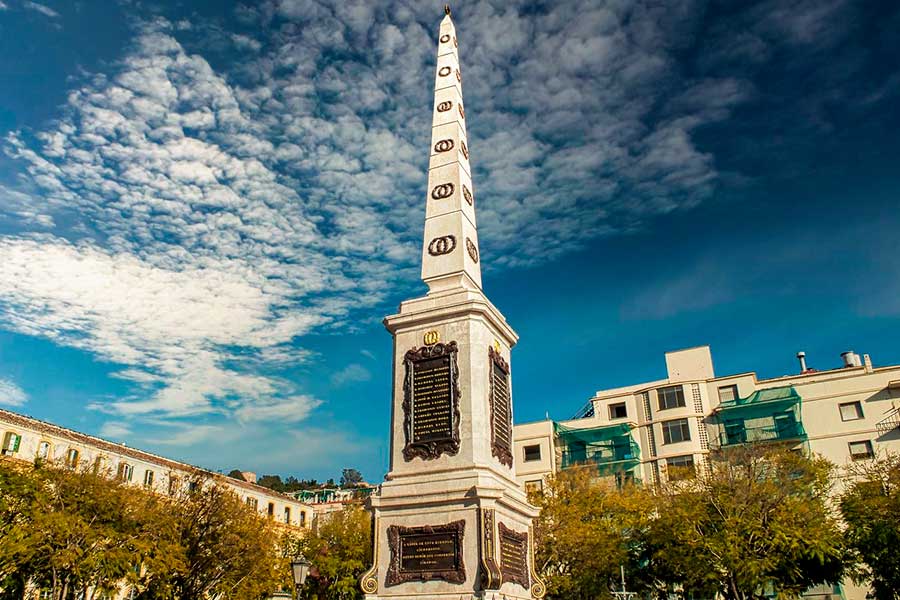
pixel 468 195
pixel 465 150
pixel 442 245
pixel 473 251
pixel 443 146
pixel 444 106
pixel 444 71
pixel 444 190
pixel 445 38
pixel 462 113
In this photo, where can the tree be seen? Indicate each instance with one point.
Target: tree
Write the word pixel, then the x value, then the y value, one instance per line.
pixel 340 550
pixel 587 529
pixel 80 533
pixel 214 545
pixel 758 521
pixel 273 482
pixel 351 478
pixel 871 510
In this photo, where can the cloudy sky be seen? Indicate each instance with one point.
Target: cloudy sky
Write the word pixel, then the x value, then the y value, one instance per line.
pixel 206 208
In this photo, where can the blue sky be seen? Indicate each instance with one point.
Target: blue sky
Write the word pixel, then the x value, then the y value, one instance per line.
pixel 207 208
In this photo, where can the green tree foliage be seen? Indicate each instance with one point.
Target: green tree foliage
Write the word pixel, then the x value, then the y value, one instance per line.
pixel 871 510
pixel 758 521
pixel 340 550
pixel 351 478
pixel 587 530
pixel 82 533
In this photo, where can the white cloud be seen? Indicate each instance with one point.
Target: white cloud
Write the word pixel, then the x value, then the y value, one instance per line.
pixel 352 373
pixel 41 8
pixel 11 394
pixel 115 430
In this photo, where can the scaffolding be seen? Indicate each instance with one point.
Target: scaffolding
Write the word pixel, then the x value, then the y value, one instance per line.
pixel 610 449
pixel 770 415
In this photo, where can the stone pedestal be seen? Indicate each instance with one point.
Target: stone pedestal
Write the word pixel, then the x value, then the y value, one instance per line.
pixel 452 522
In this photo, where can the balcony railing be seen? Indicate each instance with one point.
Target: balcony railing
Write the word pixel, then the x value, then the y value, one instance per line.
pixel 890 422
pixel 733 435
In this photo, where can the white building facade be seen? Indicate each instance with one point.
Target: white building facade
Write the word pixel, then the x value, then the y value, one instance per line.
pixel 28 439
pixel 845 414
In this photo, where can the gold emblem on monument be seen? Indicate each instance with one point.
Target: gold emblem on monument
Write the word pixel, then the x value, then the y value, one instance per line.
pixel 431 338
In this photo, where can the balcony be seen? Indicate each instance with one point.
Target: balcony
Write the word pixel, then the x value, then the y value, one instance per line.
pixel 890 422
pixel 770 415
pixel 778 430
pixel 610 449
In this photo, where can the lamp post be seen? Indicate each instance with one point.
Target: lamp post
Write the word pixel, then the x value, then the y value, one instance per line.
pixel 299 571
pixel 624 594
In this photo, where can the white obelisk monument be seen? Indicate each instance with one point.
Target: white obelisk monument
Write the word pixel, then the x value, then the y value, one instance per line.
pixel 450 520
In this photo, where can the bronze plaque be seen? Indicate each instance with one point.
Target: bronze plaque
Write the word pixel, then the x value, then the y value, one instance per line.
pixel 501 408
pixel 431 402
pixel 514 556
pixel 426 553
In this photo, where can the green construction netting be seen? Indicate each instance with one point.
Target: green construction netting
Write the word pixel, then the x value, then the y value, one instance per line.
pixel 762 402
pixel 765 415
pixel 610 448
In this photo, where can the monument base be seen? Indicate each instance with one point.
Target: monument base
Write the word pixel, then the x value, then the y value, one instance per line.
pixel 461 534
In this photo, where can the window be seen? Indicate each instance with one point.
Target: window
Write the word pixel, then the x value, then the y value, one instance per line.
pixel 851 411
pixel 100 465
pixel 253 503
pixel 728 393
pixel 534 487
pixel 676 431
pixel 126 471
pixel 43 451
pixel 11 443
pixel 287 515
pixel 302 518
pixel 618 411
pixel 148 478
pixel 532 453
pixel 270 511
pixel 670 397
pixel 72 458
pixel 193 486
pixel 680 467
pixel 861 450
pixel 173 484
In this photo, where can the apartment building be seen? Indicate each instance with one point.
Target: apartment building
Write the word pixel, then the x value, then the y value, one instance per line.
pixel 847 413
pixel 28 439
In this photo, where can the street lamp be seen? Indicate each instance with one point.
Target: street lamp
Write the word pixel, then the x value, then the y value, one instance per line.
pixel 299 571
pixel 624 594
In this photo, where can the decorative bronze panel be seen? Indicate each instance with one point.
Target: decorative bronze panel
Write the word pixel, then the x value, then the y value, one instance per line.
pixel 444 71
pixel 426 553
pixel 445 38
pixel 501 408
pixel 465 150
pixel 442 245
pixel 514 556
pixel 431 402
pixel 472 250
pixel 444 106
pixel 538 588
pixel 368 582
pixel 490 572
pixel 443 146
pixel 468 195
pixel 441 191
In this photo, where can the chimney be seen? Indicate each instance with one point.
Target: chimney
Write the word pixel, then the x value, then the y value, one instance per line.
pixel 851 359
pixel 867 362
pixel 801 356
